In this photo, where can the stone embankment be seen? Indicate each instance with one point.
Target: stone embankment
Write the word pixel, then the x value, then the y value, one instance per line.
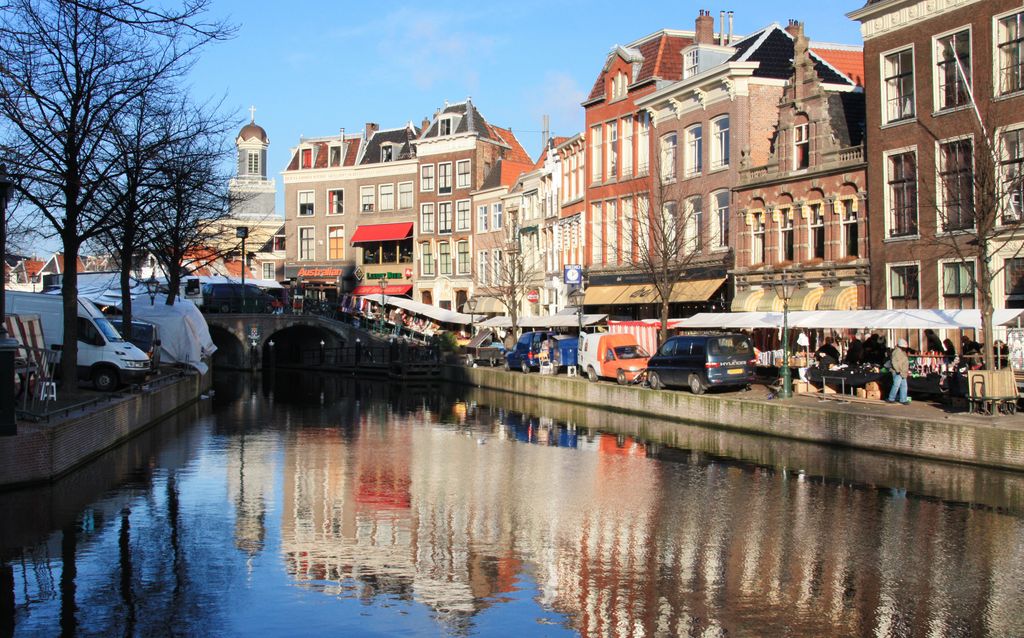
pixel 920 431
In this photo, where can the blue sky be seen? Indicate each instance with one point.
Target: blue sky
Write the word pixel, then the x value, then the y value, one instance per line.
pixel 312 68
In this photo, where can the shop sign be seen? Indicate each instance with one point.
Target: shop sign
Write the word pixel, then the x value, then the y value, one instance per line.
pixel 320 273
pixel 533 296
pixel 408 273
pixel 383 275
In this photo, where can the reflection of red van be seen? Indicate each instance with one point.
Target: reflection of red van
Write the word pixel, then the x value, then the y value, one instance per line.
pixel 613 356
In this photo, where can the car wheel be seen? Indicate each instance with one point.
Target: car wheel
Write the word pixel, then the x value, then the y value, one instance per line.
pixel 655 381
pixel 104 379
pixel 591 374
pixel 696 385
pixel 525 367
pixel 620 377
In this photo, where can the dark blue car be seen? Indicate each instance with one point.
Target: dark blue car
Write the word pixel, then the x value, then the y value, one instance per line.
pixel 531 348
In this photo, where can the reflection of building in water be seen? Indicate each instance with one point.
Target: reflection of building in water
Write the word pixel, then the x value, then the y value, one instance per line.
pixel 251 470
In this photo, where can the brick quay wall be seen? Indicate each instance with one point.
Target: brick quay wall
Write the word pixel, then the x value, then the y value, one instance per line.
pixel 983 441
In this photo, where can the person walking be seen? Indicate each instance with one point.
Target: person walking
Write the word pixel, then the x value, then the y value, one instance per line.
pixel 900 365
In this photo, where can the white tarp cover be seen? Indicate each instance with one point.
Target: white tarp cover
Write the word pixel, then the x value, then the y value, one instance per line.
pixel 184 335
pixel 548 321
pixel 913 319
pixel 435 313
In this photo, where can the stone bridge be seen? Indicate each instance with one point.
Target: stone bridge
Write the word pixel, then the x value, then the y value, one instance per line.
pixel 244 340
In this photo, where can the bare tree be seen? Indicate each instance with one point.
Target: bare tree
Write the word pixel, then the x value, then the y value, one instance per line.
pixel 68 71
pixel 515 271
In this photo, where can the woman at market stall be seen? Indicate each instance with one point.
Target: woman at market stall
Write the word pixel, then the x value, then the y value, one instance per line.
pixel 949 350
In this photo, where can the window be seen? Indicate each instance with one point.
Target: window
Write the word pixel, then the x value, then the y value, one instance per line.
pixel 405 195
pixel 462 257
pixel 665 236
pixel 627 146
pixel 279 245
pixel 898 69
pixel 720 142
pixel 366 196
pixel 757 253
pixel 483 266
pixel 612 155
pixel 444 126
pixel 426 260
pixel 787 245
pixel 952 69
pixel 306 206
pixel 957 187
pixel 619 86
pixel 253 162
pixel 371 253
pixel 691 63
pixel 444 217
pixel 462 174
pixel 496 272
pixel 801 146
pixel 903 286
pixel 307 158
pixel 334 156
pixel 462 215
pixel 851 232
pixel 611 234
pixel 335 202
pixel 694 224
pixel 1010 59
pixel 816 232
pixel 269 270
pixel 902 192
pixel 306 245
pixel 387 196
pixel 668 157
pixel 482 216
pixel 426 218
pixel 387 153
pixel 444 258
pixel 627 230
pixel 427 178
pixel 1013 282
pixel 1012 165
pixel 596 247
pixel 694 150
pixel 496 216
pixel 643 143
pixel 444 178
pixel 721 199
pixel 335 242
pixel 595 153
pixel 958 285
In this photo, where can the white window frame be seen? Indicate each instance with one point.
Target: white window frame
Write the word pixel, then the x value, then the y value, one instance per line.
pixel 427 218
pixel 814 222
pixel 802 138
pixel 936 89
pixel 497 215
pixel 693 223
pixel 387 153
pixel 444 177
pixel 941 267
pixel 310 197
pixel 998 81
pixel 364 193
pixel 312 243
pixel 386 196
pixel 887 192
pixel 720 143
pixel 463 267
pixel 444 265
pixel 940 191
pixel 463 180
pixel 691 62
pixel 483 216
pixel 252 163
pixel 329 208
pixel 758 237
pixel 483 267
pixel 450 212
pixel 884 92
pixel 405 196
pixel 843 207
pixel 888 280
pixel 720 239
pixel 693 155
pixel 628 222
pixel 627 146
pixel 427 178
pixel 335 151
pixel 611 252
pixel 428 266
pixel 445 126
pixel 787 223
pixel 340 227
pixel 463 216
pixel 643 143
pixel 595 153
pixel 1008 213
pixel 596 246
pixel 668 148
pixel 272 273
pixel 612 149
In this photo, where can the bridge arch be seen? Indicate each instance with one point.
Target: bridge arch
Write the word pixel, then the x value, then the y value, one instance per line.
pixel 246 337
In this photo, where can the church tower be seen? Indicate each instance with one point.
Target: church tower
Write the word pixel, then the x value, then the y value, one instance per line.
pixel 252 193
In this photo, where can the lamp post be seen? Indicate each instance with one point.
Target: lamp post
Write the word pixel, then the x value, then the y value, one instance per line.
pixel 576 298
pixel 8 346
pixel 152 285
pixel 383 286
pixel 242 232
pixel 784 289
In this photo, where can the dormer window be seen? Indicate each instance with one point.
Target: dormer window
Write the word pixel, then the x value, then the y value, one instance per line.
pixel 619 86
pixel 253 162
pixel 691 63
pixel 334 157
pixel 387 153
pixel 444 126
pixel 307 158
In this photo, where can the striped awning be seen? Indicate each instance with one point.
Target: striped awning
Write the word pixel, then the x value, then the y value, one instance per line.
pixel 747 300
pixel 839 298
pixel 806 298
pixel 770 302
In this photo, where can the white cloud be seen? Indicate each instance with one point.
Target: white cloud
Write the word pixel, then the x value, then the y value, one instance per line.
pixel 558 95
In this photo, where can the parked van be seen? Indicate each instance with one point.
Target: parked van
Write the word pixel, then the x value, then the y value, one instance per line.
pixel 145 336
pixel 529 352
pixel 103 356
pixel 230 298
pixel 612 356
pixel 703 361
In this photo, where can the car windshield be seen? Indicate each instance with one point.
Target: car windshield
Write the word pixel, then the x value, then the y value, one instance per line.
pixel 630 352
pixel 108 330
pixel 730 346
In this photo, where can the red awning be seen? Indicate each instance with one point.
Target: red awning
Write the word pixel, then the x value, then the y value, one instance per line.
pixel 382 232
pixel 391 289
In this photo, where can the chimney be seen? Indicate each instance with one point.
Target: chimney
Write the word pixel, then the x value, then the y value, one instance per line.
pixel 425 124
pixel 721 28
pixel 795 28
pixel 371 128
pixel 705 28
pixel 729 41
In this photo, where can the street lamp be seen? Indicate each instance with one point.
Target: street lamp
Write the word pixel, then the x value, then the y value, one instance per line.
pixel 8 346
pixel 383 286
pixel 576 298
pixel 784 288
pixel 152 285
pixel 470 307
pixel 242 232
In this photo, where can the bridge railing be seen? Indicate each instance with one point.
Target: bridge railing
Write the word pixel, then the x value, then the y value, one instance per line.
pixel 369 356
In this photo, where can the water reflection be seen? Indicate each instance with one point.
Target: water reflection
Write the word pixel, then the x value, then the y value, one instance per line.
pixel 309 504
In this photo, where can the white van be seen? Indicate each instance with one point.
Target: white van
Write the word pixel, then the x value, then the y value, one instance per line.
pixel 103 356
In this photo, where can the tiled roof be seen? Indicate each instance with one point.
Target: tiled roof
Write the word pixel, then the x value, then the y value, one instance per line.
pixel 661 60
pixel 846 61
pixel 233 268
pixel 322 154
pixel 555 142
pixel 400 137
pixel 470 121
pixel 504 173
pixel 517 152
pixel 772 48
pixel 32 266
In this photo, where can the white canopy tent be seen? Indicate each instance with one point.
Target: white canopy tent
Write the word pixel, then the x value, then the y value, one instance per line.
pixel 184 334
pixel 910 319
pixel 437 314
pixel 547 321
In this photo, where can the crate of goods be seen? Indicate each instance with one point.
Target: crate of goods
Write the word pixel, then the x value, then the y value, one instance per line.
pixel 991 384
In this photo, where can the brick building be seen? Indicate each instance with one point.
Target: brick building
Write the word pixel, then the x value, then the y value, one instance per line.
pixel 803 208
pixel 924 63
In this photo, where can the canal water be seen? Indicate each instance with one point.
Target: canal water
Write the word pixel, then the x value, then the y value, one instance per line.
pixel 301 505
